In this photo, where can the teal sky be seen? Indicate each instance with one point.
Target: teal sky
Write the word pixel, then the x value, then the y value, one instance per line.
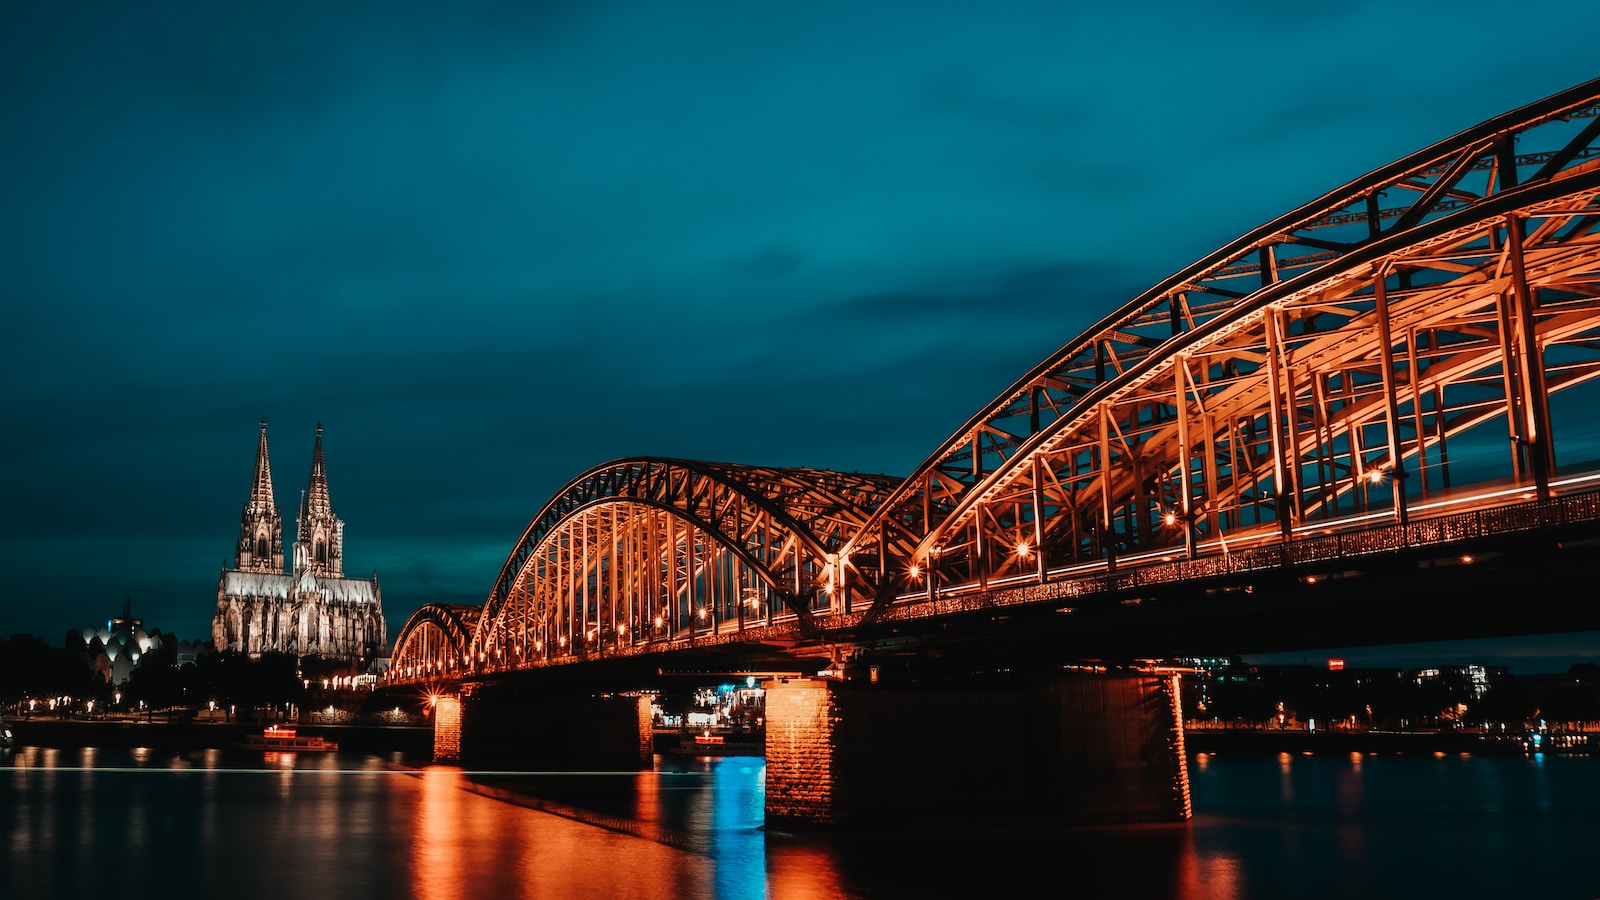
pixel 491 245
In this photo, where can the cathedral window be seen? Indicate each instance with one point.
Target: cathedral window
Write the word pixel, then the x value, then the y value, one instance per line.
pixel 322 552
pixel 261 546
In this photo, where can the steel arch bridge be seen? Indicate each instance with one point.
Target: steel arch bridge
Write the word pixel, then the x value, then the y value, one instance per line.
pixel 1391 353
pixel 433 643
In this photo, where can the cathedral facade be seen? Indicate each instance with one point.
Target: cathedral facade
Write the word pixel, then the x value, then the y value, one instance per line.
pixel 307 608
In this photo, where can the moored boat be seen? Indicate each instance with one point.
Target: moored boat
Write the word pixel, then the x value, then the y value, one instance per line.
pixel 710 743
pixel 280 738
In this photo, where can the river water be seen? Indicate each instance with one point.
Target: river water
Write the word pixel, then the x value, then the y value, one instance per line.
pixel 131 824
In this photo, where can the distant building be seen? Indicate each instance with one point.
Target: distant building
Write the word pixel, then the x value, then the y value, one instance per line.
pixel 309 608
pixel 1471 682
pixel 115 650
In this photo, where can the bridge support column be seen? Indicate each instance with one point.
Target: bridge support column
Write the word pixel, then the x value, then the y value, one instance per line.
pixel 447 728
pixel 1076 748
pixel 509 729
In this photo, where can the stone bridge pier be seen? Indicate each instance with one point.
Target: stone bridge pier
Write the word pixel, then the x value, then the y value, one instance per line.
pixel 1072 748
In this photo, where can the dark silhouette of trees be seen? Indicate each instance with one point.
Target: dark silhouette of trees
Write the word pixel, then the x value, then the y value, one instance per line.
pixel 29 667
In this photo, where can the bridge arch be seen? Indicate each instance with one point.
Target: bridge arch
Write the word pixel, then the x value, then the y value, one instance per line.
pixel 435 642
pixel 1325 365
pixel 644 552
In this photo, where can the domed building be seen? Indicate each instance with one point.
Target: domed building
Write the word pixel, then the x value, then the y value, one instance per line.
pixel 307 608
pixel 115 650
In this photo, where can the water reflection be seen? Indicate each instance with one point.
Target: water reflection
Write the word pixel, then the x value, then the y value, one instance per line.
pixel 473 837
pixel 222 822
pixel 435 865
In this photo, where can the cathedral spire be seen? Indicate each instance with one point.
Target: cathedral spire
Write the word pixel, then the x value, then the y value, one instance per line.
pixel 317 502
pixel 261 489
pixel 319 539
pixel 260 546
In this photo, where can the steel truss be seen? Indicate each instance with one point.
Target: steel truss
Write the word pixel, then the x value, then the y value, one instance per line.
pixel 435 641
pixel 1325 364
pixel 640 552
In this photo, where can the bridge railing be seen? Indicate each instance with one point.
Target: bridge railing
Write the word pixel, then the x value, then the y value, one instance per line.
pixel 1357 542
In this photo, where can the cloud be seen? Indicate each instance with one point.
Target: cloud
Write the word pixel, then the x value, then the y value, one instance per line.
pixel 492 245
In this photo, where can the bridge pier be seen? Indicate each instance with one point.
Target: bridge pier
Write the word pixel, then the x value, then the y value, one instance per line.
pixel 447 728
pixel 1075 748
pixel 504 728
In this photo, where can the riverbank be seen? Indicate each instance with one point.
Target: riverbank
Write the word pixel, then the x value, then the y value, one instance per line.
pixel 417 740
pixel 1267 742
pixel 123 733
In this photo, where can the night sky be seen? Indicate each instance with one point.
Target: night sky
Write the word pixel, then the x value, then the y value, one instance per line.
pixel 490 246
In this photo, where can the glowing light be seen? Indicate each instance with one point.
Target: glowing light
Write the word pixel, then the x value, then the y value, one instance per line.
pixel 658 621
pixel 1023 549
pixel 1170 518
pixel 1375 476
pixel 1466 558
pixel 701 612
pixel 915 571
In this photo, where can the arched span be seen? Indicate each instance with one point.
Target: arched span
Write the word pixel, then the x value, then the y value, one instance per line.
pixel 648 550
pixel 1302 372
pixel 435 642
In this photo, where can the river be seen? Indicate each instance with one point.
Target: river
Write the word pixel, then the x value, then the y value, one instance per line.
pixel 131 824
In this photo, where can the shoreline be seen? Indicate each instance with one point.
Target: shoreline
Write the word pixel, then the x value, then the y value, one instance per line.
pixel 1250 742
pixel 417 740
pixel 123 734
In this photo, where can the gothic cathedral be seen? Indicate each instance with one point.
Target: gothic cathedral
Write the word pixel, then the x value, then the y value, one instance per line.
pixel 311 609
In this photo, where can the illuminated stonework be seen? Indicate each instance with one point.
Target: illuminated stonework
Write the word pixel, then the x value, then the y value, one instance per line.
pixel 310 610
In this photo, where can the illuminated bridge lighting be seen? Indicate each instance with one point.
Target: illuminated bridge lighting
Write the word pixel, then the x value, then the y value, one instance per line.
pixel 1314 385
